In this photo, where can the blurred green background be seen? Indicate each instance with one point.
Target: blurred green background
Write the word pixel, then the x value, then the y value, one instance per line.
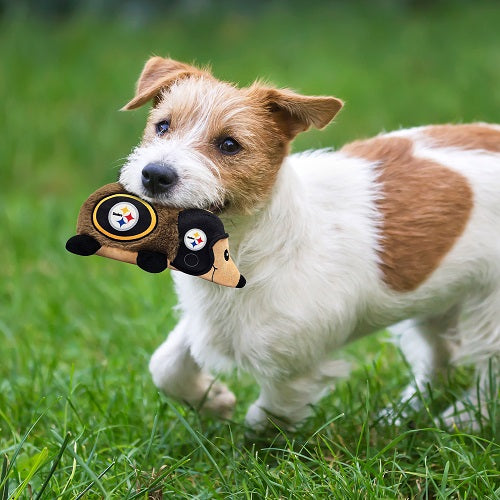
pixel 75 335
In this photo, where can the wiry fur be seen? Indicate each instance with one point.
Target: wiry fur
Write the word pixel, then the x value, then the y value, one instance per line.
pixel 307 232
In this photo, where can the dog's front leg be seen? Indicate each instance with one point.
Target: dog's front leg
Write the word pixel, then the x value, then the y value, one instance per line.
pixel 285 402
pixel 177 374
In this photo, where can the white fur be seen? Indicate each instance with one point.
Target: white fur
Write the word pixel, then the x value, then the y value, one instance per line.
pixel 198 185
pixel 314 284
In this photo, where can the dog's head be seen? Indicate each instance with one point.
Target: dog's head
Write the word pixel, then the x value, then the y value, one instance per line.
pixel 209 144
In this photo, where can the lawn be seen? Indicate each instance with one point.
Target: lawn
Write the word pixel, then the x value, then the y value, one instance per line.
pixel 79 415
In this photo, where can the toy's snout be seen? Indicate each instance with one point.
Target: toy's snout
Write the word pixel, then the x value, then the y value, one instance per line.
pixel 224 270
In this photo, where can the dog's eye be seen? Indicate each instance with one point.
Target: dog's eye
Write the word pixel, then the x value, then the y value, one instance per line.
pixel 226 254
pixel 162 127
pixel 229 146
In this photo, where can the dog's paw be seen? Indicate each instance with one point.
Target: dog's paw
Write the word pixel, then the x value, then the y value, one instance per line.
pixel 401 411
pixel 390 416
pixel 219 401
pixel 261 421
pixel 460 417
pixel 256 418
pixel 396 416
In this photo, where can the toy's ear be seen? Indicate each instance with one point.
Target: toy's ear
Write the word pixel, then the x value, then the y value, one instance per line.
pixel 295 113
pixel 159 73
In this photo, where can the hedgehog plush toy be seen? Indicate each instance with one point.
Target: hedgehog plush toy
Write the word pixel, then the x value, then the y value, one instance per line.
pixel 116 224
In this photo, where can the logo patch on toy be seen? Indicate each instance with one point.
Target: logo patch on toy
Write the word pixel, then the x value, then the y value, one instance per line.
pixel 124 217
pixel 195 239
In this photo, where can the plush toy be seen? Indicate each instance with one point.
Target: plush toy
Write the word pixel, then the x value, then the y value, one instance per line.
pixel 116 224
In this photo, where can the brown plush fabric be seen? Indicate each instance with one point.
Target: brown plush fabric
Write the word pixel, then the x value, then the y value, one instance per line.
pixel 164 238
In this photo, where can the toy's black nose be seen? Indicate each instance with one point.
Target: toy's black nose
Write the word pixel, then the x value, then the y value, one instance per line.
pixel 157 178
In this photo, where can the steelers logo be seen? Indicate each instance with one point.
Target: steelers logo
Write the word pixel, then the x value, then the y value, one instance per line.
pixel 123 216
pixel 195 239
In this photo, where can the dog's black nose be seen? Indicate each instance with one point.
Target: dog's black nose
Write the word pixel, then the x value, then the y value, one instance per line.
pixel 157 177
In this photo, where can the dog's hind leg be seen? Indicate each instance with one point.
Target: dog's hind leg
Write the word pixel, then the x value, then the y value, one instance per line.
pixel 425 344
pixel 478 343
pixel 177 374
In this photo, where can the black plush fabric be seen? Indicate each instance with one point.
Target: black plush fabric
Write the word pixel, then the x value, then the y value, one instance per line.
pixel 152 262
pixel 82 244
pixel 198 262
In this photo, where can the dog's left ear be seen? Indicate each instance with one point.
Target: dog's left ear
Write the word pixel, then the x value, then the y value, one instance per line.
pixel 159 73
pixel 295 113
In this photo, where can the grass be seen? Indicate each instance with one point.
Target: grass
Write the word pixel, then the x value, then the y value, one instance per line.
pixel 79 415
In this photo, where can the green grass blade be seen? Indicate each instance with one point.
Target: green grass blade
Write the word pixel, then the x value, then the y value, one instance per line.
pixel 40 459
pixel 80 495
pixel 197 438
pixel 82 464
pixel 18 449
pixel 54 466
pixel 182 461
pixel 4 490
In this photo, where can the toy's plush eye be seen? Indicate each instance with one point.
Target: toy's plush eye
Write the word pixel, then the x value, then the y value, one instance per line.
pixel 162 127
pixel 226 255
pixel 229 146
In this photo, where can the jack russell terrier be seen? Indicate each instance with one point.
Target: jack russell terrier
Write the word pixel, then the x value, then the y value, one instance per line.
pixel 402 229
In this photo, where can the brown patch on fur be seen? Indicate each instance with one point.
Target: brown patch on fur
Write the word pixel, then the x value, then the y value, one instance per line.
pixel 249 176
pixel 425 208
pixel 268 121
pixel 474 136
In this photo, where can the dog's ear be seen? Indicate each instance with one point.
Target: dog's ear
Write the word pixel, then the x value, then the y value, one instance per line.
pixel 295 113
pixel 159 73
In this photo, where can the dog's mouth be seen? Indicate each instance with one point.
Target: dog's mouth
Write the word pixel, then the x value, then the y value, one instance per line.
pixel 164 199
pixel 219 208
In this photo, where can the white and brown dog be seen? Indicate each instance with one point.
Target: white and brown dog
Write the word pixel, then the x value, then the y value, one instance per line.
pixel 334 245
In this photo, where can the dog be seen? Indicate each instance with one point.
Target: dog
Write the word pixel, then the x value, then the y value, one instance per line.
pixel 401 229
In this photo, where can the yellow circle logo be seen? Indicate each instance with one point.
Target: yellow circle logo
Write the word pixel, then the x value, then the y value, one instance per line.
pixel 124 217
